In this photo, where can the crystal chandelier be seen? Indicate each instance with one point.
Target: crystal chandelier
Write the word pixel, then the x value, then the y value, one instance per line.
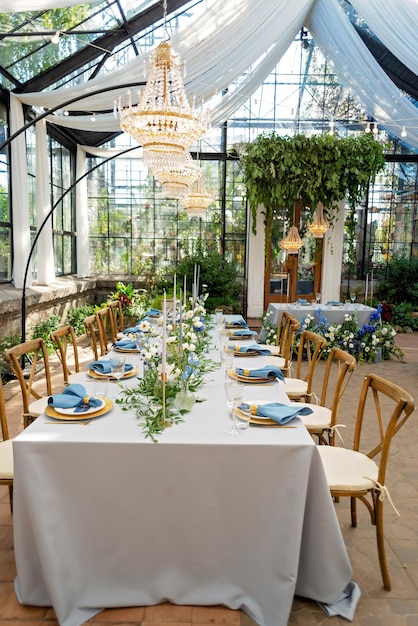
pixel 292 243
pixel 177 180
pixel 319 225
pixel 197 200
pixel 164 122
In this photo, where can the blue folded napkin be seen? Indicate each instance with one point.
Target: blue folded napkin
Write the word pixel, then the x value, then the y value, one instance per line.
pixel 72 396
pixel 242 323
pixel 126 344
pixel 103 367
pixel 268 371
pixel 280 413
pixel 302 301
pixel 153 312
pixel 242 332
pixel 333 302
pixel 132 329
pixel 254 348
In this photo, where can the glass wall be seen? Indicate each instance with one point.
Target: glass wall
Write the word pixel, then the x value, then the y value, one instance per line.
pixel 5 217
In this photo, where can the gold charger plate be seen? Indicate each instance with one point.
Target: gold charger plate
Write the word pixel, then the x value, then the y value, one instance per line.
pixel 242 337
pixel 94 374
pixel 78 417
pixel 253 419
pixel 236 353
pixel 250 379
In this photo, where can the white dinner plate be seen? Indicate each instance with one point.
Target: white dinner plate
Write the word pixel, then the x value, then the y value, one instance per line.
pixel 77 410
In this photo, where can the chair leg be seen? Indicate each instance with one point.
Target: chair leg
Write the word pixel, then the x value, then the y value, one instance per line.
pixel 353 506
pixel 381 544
pixel 11 497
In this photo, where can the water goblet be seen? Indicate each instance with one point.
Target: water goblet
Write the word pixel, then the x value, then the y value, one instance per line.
pixel 233 391
pixel 352 297
pixel 318 298
pixel 227 359
pixel 117 368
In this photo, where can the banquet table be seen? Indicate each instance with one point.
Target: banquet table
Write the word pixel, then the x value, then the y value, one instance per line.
pixel 104 517
pixel 334 314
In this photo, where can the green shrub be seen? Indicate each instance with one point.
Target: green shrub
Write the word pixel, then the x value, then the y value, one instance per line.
pixel 44 329
pixel 76 317
pixel 7 342
pixel 401 284
pixel 402 316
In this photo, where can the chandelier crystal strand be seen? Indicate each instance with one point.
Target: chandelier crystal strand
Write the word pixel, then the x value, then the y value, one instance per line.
pixel 292 243
pixel 198 199
pixel 176 180
pixel 319 226
pixel 163 121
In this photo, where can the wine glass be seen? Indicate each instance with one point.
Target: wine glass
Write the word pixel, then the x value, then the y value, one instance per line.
pixel 117 367
pixel 318 298
pixel 233 391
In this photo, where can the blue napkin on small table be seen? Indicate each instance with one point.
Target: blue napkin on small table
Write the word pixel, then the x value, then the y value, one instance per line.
pixel 268 371
pixel 126 344
pixel 241 323
pixel 153 313
pixel 280 413
pixel 254 348
pixel 72 396
pixel 242 332
pixel 103 367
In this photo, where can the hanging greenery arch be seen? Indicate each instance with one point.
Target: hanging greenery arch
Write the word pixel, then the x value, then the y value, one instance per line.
pixel 322 168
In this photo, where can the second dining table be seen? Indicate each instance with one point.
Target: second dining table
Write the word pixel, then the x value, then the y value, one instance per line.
pixel 104 517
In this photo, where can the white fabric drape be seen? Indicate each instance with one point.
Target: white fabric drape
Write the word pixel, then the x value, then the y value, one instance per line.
pixel 396 25
pixel 16 6
pixel 45 272
pixel 357 69
pixel 20 194
pixel 82 218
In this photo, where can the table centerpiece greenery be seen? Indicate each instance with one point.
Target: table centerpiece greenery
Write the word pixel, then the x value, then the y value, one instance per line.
pixel 162 400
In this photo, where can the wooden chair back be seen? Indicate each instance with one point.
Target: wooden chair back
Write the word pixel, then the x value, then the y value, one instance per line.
pixel 311 347
pixel 65 342
pixel 287 342
pixel 6 450
pixel 92 331
pixel 104 326
pixel 30 364
pixel 116 318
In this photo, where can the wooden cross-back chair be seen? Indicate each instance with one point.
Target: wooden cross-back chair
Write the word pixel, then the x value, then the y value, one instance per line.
pixel 6 449
pixel 104 324
pixel 116 319
pixel 323 421
pixel 360 473
pixel 285 357
pixel 311 347
pixel 30 364
pixel 66 342
pixel 92 330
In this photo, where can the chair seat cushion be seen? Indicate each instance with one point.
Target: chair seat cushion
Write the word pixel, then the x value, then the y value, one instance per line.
pixel 294 387
pixel 347 470
pixel 37 407
pixel 6 460
pixel 319 419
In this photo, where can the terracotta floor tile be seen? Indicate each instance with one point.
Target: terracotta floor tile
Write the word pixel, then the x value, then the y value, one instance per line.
pixel 168 613
pixel 215 615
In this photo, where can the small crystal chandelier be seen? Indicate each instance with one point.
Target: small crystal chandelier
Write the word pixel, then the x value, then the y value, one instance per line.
pixel 292 243
pixel 177 180
pixel 164 122
pixel 319 226
pixel 197 200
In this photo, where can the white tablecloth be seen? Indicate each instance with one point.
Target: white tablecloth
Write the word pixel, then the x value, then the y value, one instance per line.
pixel 334 314
pixel 105 518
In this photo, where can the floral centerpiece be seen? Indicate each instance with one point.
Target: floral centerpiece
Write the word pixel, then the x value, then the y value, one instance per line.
pixel 364 343
pixel 161 400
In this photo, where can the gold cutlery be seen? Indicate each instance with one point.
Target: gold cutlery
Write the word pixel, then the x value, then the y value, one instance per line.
pixel 80 423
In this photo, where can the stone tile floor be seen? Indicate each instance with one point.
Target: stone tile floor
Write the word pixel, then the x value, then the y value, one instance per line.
pixel 377 607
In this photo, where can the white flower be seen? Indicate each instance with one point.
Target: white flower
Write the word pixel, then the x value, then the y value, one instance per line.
pixel 144 326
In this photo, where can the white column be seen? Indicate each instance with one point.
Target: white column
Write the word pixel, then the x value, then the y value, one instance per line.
pixel 20 196
pixel 255 263
pixel 82 218
pixel 45 272
pixel 332 256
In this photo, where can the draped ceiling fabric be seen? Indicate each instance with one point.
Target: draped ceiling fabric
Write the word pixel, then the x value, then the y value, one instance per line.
pixel 216 51
pixel 215 48
pixel 15 6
